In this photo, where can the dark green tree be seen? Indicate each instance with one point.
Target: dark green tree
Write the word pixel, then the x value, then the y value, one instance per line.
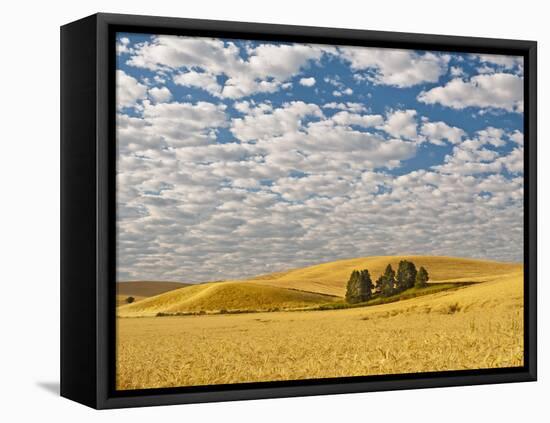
pixel 366 286
pixel 353 292
pixel 422 278
pixel 359 287
pixel 406 275
pixel 386 283
pixel 130 300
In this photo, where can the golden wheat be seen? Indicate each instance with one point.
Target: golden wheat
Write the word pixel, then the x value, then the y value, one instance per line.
pixel 226 296
pixel 479 326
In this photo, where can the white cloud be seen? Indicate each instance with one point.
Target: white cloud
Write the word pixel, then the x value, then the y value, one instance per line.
pixel 202 80
pixel 252 108
pixel 123 46
pixel 401 123
pixel 299 189
pixel 346 91
pixel 456 71
pixel 281 61
pixel 513 162
pixel 160 95
pixel 401 68
pixel 194 115
pixel 181 211
pixel 334 81
pixel 347 118
pixel 348 106
pixel 307 82
pixel 498 91
pixel 485 69
pixel 506 62
pixel 216 153
pixel 471 156
pixel 199 61
pixel 169 125
pixel 517 137
pixel 491 136
pixel 298 135
pixel 229 188
pixel 259 124
pixel 439 132
pixel 166 52
pixel 331 146
pixel 128 90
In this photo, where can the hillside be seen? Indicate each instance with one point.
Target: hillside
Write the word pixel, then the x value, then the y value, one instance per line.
pixel 218 296
pixel 476 327
pixel 299 288
pixel 331 278
pixel 140 290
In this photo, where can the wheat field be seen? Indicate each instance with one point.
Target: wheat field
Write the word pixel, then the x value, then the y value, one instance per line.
pixel 477 326
pixel 224 296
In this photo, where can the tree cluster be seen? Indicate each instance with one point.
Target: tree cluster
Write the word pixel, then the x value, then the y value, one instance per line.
pixel 360 287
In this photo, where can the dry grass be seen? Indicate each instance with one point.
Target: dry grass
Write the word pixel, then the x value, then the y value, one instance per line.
pixel 143 289
pixel 331 278
pixel 223 296
pixel 480 326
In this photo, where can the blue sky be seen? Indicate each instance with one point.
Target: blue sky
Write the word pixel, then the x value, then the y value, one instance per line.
pixel 238 157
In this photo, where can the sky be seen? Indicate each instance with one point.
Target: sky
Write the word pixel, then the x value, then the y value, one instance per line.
pixel 237 158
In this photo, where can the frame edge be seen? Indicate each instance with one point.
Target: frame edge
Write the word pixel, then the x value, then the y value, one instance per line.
pixel 78 239
pixel 104 399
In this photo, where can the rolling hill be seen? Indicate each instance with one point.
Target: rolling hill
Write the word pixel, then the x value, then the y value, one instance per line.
pixel 299 288
pixel 331 278
pixel 476 327
pixel 218 296
pixel 140 290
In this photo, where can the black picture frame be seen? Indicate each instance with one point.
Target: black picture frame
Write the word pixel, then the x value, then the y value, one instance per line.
pixel 88 210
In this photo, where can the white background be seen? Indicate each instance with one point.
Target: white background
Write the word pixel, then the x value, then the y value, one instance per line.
pixel 29 210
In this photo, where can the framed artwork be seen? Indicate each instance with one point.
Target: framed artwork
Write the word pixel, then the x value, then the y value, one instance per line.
pixel 256 211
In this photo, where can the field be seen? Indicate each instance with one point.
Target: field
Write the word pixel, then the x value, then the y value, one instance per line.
pixel 475 326
pixel 224 296
pixel 330 278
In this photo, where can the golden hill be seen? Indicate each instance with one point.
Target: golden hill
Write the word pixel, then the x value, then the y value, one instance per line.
pixel 143 289
pixel 476 327
pixel 331 278
pixel 218 296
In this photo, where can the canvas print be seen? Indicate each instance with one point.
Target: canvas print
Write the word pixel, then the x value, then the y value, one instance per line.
pixel 289 211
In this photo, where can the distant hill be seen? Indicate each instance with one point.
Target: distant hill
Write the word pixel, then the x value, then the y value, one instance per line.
pixel 331 278
pixel 218 296
pixel 298 288
pixel 144 289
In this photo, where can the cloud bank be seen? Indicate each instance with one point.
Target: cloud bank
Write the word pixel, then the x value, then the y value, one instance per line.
pixel 236 158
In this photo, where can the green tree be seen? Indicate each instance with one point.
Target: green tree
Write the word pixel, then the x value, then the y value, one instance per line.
pixel 406 275
pixel 422 278
pixel 366 286
pixel 386 283
pixel 130 300
pixel 359 287
pixel 353 288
